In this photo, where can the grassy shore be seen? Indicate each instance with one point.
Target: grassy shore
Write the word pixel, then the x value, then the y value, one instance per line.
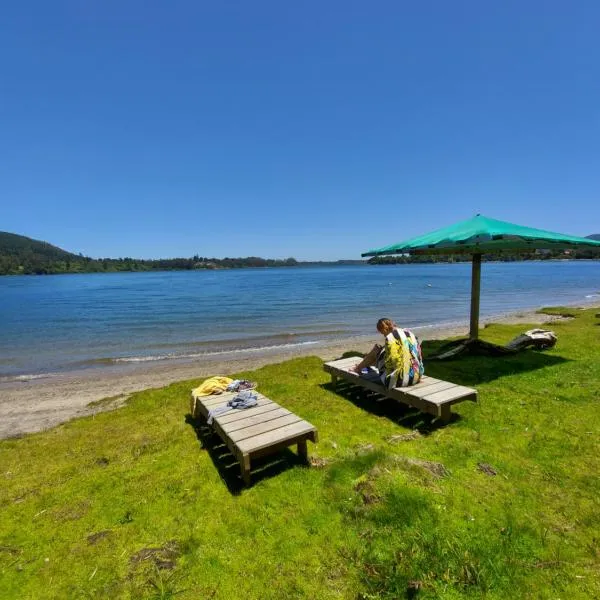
pixel 503 502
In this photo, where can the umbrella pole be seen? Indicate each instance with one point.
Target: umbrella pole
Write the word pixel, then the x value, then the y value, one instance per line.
pixel 473 345
pixel 475 295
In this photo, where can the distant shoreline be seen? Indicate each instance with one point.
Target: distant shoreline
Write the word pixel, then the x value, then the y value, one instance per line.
pixel 300 265
pixel 39 404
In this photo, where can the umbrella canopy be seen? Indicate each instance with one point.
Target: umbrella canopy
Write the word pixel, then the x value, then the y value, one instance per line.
pixel 481 235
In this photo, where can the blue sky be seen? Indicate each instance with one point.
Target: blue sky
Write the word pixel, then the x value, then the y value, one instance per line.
pixel 309 129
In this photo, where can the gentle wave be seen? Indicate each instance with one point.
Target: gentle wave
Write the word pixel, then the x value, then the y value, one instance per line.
pixel 25 378
pixel 273 337
pixel 138 359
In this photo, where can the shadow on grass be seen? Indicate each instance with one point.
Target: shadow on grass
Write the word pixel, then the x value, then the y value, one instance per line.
pixel 471 370
pixel 393 410
pixel 227 465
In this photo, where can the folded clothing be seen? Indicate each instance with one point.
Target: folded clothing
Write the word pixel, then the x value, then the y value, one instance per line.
pixel 246 399
pixel 238 385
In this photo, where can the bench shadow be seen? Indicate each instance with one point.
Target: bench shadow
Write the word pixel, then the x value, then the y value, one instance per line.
pixel 381 406
pixel 229 468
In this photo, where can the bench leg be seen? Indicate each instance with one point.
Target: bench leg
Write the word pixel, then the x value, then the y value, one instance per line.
pixel 334 379
pixel 446 413
pixel 303 450
pixel 245 468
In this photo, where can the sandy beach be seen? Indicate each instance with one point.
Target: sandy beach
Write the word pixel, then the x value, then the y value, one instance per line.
pixel 38 404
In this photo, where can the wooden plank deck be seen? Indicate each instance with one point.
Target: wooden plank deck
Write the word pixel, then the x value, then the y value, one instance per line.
pixel 253 432
pixel 430 395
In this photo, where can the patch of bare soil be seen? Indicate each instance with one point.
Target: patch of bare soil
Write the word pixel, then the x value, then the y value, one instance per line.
pixel 437 470
pixel 94 538
pixel 319 463
pixel 163 557
pixel 487 469
pixel 404 437
pixel 365 486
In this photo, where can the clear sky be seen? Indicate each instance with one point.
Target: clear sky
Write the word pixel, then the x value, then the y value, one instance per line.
pixel 309 129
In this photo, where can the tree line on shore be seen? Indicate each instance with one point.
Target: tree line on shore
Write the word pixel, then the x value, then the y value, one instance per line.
pixel 581 253
pixel 31 264
pixel 20 255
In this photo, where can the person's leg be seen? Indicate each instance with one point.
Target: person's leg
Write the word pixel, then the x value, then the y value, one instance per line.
pixel 370 359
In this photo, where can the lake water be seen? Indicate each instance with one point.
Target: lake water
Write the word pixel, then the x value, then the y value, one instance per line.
pixel 66 322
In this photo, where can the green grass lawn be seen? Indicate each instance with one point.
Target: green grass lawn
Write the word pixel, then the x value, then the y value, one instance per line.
pixel 503 502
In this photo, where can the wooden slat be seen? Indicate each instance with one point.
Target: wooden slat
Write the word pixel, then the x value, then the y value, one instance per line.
pixel 215 399
pixel 261 428
pixel 282 434
pixel 237 414
pixel 342 373
pixel 217 403
pixel 427 381
pixel 230 397
pixel 344 364
pixel 421 392
pixel 263 417
pixel 452 394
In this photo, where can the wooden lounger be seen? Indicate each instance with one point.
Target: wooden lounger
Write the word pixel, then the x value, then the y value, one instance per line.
pixel 430 395
pixel 257 431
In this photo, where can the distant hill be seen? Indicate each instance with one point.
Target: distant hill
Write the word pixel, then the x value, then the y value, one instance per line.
pixel 594 236
pixel 21 255
pixel 12 244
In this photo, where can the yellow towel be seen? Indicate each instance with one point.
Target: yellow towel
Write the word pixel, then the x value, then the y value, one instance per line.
pixel 214 385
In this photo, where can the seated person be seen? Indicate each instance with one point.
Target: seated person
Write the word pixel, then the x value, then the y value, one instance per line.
pixel 399 361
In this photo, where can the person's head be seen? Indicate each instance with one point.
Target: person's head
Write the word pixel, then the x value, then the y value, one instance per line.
pixel 385 326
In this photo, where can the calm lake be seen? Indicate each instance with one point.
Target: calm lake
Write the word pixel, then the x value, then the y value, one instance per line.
pixel 65 322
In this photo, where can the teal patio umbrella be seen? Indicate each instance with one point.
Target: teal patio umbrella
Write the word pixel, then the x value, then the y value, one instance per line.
pixel 481 235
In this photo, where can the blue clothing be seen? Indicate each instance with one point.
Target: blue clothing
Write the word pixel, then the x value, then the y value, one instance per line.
pixel 246 399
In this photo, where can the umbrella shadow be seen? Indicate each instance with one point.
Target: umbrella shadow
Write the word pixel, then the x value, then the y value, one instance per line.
pixel 227 465
pixel 471 370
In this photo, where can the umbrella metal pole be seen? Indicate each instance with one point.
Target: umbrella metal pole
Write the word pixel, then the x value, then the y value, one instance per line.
pixel 475 294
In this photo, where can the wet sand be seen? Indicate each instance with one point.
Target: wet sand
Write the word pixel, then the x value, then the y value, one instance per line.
pixel 38 404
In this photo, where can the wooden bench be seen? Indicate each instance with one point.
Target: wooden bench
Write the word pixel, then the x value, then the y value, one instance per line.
pixel 253 432
pixel 430 395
